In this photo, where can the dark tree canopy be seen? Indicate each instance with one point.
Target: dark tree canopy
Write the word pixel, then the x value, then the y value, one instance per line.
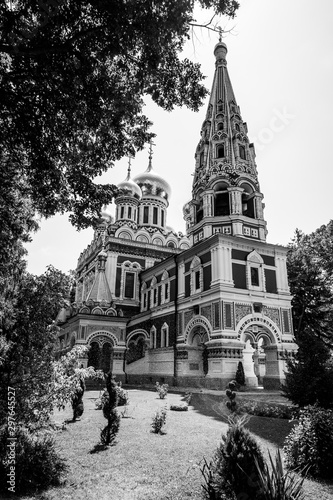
pixel 72 80
pixel 310 273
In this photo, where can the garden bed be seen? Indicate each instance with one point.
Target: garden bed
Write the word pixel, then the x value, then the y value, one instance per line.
pixel 147 466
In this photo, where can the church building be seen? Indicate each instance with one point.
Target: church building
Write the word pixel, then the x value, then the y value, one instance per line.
pixel 156 305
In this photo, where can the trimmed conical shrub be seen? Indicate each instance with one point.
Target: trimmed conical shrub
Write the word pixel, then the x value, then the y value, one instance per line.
pixel 234 470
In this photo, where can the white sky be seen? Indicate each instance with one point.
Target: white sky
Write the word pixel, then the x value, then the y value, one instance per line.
pixel 280 61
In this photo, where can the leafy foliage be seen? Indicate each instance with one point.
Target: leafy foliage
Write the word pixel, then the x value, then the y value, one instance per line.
pixel 162 390
pixel 37 463
pixel 30 338
pixel 108 434
pixel 233 467
pixel 240 375
pixel 309 378
pixel 278 484
pixel 231 395
pixel 309 446
pixel 159 420
pixel 310 273
pixel 73 76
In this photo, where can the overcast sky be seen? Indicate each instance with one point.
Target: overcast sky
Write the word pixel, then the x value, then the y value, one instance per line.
pixel 280 60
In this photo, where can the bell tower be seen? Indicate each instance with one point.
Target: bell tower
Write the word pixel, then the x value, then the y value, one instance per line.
pixel 226 195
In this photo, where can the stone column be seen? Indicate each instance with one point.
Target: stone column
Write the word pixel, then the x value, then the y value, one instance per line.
pixel 235 194
pixel 221 265
pixel 281 274
pixel 181 280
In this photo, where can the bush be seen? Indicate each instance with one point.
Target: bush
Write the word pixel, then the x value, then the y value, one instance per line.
pixel 162 390
pixel 261 409
pixel 309 446
pixel 77 400
pixel 278 485
pixel 37 463
pixel 159 420
pixel 182 407
pixel 231 395
pixel 240 375
pixel 233 467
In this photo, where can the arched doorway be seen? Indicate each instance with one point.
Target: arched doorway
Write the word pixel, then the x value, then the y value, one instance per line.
pixel 262 360
pixel 100 354
pixel 197 337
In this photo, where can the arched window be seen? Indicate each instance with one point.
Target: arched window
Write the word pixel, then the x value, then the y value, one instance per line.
pixel 202 158
pixel 255 276
pixel 237 127
pixel 242 153
pixel 220 126
pixel 248 208
pixel 165 335
pixel 165 283
pixel 153 338
pixel 220 153
pixel 196 275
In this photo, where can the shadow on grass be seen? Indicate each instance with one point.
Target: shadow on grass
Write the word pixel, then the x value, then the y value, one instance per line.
pixel 100 447
pixel 273 430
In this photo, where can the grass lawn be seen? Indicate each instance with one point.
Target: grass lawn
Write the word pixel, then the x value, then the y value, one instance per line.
pixel 145 466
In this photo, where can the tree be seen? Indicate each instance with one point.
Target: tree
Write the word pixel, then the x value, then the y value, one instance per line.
pixel 309 379
pixel 310 270
pixel 72 80
pixel 30 340
pixel 310 273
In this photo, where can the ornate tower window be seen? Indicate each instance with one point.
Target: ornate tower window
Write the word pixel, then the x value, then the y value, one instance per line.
pixel 220 126
pixel 129 212
pixel 242 153
pixel 220 152
pixel 145 215
pixel 221 200
pixel 202 157
pixel 255 272
pixel 155 215
pixel 129 287
pixel 237 127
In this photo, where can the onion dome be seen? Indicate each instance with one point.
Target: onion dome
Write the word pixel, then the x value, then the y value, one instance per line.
pixel 129 187
pixel 152 183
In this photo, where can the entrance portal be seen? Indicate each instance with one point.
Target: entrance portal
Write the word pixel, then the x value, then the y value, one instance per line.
pixel 100 355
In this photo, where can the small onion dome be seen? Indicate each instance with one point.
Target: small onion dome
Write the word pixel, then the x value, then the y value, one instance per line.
pixel 220 51
pixel 129 188
pixel 153 184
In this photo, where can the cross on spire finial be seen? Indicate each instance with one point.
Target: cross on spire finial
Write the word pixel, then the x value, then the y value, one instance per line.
pixel 130 157
pixel 151 144
pixel 220 34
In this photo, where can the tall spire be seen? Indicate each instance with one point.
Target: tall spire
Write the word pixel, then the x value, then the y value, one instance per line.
pixel 225 186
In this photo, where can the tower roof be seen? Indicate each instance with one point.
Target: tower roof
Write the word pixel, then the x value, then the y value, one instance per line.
pixel 129 187
pixel 100 291
pixel 225 194
pixel 224 149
